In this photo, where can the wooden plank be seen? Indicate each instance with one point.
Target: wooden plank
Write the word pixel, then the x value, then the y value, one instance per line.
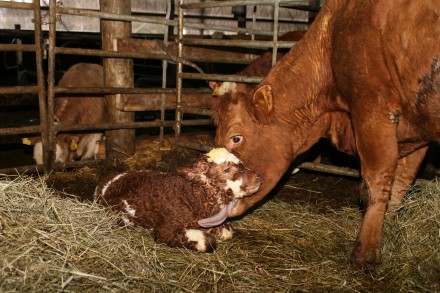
pixel 150 102
pixel 190 53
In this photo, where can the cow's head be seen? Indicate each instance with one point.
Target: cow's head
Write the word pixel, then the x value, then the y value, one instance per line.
pixel 248 128
pixel 266 134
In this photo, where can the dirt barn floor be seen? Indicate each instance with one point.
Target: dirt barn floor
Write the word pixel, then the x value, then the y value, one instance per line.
pixel 53 237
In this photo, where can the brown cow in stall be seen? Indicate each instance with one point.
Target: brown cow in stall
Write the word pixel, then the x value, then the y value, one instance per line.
pixel 376 61
pixel 76 110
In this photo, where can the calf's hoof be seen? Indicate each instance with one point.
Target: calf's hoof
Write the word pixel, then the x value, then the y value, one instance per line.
pixel 365 259
pixel 223 232
pixel 199 241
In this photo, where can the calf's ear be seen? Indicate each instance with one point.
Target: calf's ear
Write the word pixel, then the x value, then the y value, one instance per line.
pixel 263 102
pixel 195 172
pixel 185 171
pixel 189 173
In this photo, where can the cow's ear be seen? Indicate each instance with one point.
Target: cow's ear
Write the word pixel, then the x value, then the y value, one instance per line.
pixel 72 141
pixel 263 104
pixel 214 85
pixel 263 98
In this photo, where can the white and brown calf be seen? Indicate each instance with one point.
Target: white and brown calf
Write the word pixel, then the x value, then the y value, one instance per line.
pixel 182 208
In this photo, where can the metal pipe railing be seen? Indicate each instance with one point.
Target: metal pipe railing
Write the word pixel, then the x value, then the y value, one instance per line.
pixel 274 44
pixel 194 25
pixel 47 127
pixel 239 43
pixel 18 47
pixel 222 77
pixel 18 90
pixel 49 152
pixel 179 113
pixel 168 16
pixel 39 44
pixel 230 3
pixel 17 5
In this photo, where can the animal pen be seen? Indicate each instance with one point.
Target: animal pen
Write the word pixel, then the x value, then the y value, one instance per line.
pixel 158 56
pixel 181 33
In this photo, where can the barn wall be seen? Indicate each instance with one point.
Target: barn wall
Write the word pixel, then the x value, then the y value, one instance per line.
pixel 219 15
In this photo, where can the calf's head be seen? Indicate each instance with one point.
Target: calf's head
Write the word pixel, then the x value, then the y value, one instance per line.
pixel 226 177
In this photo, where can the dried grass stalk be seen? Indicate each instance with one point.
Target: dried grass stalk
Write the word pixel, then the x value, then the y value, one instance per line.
pixel 50 243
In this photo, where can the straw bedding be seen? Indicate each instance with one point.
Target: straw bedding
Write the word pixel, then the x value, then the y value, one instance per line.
pixel 52 243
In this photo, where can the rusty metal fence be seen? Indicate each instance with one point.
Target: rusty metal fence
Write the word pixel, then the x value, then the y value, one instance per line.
pixel 183 53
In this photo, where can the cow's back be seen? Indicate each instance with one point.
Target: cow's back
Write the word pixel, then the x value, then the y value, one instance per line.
pixel 386 54
pixel 81 110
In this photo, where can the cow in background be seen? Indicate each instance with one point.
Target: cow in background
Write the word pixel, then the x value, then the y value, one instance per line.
pixel 366 75
pixel 76 110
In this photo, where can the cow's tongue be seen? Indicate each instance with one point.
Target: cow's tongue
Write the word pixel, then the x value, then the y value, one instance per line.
pixel 218 218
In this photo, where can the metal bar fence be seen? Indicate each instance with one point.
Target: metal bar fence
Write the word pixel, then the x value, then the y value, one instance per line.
pixel 47 127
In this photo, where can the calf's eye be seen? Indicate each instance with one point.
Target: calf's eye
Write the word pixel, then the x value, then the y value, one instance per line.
pixel 236 139
pixel 227 170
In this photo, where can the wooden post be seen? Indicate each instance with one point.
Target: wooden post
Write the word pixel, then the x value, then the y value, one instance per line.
pixel 118 72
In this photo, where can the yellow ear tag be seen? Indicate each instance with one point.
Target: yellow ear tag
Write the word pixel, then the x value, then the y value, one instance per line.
pixel 215 91
pixel 26 141
pixel 73 145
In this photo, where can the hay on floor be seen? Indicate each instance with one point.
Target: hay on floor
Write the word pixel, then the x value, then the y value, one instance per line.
pixel 51 243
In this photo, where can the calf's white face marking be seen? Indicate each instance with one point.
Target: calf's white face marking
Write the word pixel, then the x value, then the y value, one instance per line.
pixel 235 186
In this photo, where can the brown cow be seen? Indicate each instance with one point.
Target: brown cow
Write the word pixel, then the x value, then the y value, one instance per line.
pixel 76 110
pixel 377 62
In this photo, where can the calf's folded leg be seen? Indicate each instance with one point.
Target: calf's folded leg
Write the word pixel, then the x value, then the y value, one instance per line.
pixel 194 239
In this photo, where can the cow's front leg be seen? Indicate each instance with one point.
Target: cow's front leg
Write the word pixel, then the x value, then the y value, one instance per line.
pixel 406 172
pixel 378 154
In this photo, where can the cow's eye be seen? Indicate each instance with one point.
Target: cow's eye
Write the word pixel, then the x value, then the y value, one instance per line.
pixel 227 170
pixel 236 139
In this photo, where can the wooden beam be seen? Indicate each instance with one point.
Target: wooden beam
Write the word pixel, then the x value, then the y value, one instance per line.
pixel 151 102
pixel 118 72
pixel 190 53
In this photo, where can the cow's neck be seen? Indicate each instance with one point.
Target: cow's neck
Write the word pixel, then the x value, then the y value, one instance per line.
pixel 303 87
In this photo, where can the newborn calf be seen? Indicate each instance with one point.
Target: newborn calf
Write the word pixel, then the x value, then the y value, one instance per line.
pixel 182 207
